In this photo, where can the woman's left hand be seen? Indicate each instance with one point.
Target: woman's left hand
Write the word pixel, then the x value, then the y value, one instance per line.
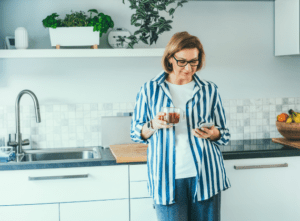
pixel 204 133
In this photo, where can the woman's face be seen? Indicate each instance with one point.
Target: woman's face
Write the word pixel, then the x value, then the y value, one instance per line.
pixel 186 72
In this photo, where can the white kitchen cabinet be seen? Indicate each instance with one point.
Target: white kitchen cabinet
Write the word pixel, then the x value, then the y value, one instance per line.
pixel 138 172
pixel 138 181
pixel 141 205
pixel 43 212
pixel 264 194
pixel 142 209
pixel 287 28
pixel 261 194
pixel 138 189
pixel 100 183
pixel 95 210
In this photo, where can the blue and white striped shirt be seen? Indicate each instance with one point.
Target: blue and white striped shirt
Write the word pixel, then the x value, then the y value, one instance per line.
pixel 204 106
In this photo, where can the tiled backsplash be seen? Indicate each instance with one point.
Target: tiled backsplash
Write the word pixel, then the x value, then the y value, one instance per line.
pixel 256 118
pixel 70 125
pixel 77 125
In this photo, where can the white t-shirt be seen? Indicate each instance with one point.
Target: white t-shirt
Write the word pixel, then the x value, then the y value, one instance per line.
pixel 185 165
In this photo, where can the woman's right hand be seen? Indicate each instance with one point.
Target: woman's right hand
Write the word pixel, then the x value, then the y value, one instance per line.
pixel 158 121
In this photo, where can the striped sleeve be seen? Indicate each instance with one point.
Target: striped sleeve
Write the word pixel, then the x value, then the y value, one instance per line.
pixel 220 122
pixel 139 117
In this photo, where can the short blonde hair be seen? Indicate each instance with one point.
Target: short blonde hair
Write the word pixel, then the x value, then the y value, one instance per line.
pixel 178 42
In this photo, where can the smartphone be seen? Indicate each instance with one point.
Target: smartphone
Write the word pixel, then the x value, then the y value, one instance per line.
pixel 207 125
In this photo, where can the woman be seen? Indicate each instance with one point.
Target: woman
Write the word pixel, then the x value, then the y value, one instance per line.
pixel 186 173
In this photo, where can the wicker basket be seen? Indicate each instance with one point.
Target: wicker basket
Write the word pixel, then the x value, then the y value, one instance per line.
pixel 290 131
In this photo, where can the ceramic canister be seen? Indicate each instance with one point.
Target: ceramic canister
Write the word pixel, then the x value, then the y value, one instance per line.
pixel 21 38
pixel 113 36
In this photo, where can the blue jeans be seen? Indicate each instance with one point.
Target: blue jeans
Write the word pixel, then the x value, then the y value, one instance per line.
pixel 185 210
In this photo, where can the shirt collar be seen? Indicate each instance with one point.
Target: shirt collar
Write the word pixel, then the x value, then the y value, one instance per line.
pixel 161 78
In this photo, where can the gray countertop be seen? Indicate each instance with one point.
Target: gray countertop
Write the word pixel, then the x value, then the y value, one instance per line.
pixel 236 149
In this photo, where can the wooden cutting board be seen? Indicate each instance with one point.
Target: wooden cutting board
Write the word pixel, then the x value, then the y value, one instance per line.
pixel 284 141
pixel 125 153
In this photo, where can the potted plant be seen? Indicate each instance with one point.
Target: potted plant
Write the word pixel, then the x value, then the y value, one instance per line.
pixel 77 29
pixel 147 18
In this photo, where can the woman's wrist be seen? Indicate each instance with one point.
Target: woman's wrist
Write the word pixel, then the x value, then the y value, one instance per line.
pixel 151 126
pixel 146 132
pixel 216 135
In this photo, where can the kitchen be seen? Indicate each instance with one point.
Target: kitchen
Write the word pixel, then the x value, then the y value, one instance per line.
pixel 239 42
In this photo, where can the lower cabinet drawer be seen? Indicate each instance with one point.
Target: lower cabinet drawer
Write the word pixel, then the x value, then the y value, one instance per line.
pixel 95 210
pixel 138 189
pixel 63 184
pixel 44 212
pixel 138 172
pixel 142 209
pixel 138 181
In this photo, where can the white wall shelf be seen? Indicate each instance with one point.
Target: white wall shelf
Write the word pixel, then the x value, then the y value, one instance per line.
pixel 81 53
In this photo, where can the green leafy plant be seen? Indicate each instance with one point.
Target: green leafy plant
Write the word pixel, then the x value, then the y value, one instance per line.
pixel 100 21
pixel 50 21
pixel 147 18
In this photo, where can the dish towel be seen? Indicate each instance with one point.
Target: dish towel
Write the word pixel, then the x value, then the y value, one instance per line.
pixel 7 156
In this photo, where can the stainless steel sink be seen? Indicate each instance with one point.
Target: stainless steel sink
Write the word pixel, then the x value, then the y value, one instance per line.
pixel 61 154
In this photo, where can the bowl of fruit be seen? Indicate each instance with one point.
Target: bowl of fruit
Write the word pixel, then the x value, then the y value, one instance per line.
pixel 288 125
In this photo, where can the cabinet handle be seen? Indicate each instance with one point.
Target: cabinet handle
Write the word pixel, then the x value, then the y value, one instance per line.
pixel 58 177
pixel 260 166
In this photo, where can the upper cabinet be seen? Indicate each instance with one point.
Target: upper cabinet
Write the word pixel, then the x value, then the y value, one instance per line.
pixel 287 27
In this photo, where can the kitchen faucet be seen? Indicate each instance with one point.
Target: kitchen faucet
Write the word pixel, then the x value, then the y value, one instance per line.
pixel 19 142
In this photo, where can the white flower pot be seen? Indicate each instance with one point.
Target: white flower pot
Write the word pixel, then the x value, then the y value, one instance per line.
pixel 74 36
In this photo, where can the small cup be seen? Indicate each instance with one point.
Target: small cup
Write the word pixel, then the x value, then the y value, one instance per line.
pixel 173 115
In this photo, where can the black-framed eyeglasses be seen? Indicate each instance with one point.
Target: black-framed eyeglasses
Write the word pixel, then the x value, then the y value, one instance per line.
pixel 183 63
